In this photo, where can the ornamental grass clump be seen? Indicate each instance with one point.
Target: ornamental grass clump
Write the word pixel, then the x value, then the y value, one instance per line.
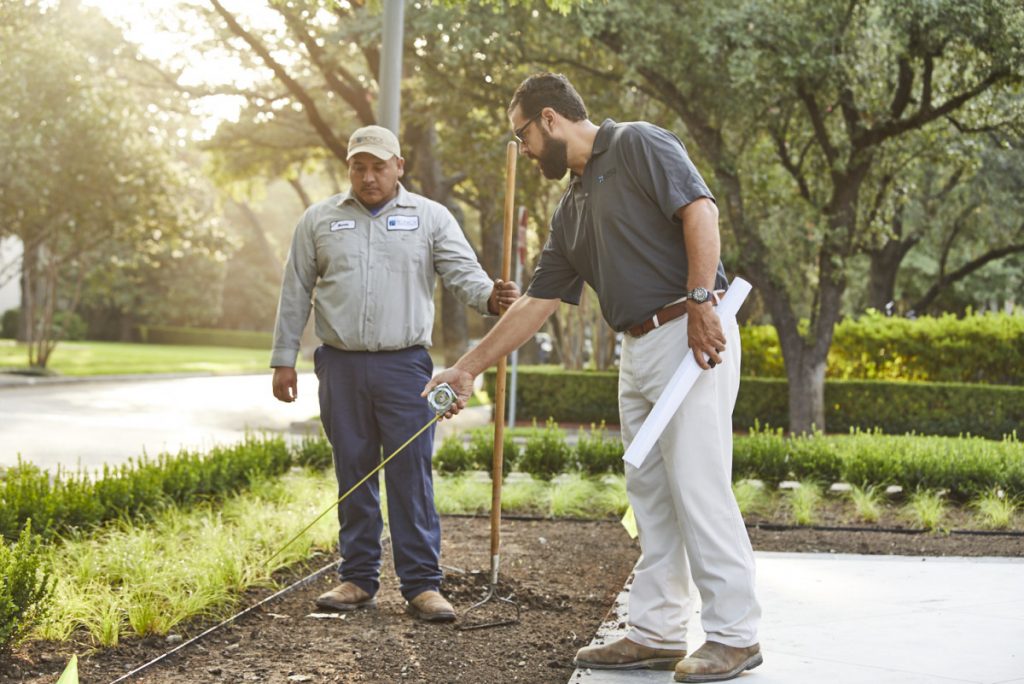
pixel 752 498
pixel 575 496
pixel 461 494
pixel 803 502
pixel 867 502
pixel 927 509
pixel 146 579
pixel 25 587
pixel 994 510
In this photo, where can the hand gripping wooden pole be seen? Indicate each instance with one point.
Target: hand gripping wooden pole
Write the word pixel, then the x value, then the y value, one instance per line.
pixel 511 152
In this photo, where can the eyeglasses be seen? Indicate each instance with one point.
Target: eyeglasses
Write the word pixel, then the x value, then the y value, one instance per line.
pixel 518 133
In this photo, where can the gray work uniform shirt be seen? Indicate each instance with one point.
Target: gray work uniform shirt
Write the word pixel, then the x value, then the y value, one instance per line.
pixel 374 274
pixel 616 226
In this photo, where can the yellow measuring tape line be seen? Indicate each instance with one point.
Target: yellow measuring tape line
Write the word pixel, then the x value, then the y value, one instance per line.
pixel 356 485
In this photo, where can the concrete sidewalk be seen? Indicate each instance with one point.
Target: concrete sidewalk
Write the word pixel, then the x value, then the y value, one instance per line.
pixel 846 619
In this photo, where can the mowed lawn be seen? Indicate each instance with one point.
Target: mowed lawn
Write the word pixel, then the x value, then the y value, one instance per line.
pixel 119 358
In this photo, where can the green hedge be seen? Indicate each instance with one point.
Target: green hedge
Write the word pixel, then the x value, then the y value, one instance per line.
pixel 965 466
pixel 204 337
pixel 61 502
pixel 894 407
pixel 986 348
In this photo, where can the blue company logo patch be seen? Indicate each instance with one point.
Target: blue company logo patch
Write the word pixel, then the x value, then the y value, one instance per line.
pixel 606 175
pixel 399 222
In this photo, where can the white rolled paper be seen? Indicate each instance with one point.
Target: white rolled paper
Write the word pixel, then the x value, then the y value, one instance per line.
pixel 679 386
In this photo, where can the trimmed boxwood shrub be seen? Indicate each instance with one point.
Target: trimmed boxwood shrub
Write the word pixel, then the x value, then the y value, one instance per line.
pixel 63 501
pixel 546 453
pixel 596 453
pixel 895 407
pixel 25 586
pixel 481 451
pixel 452 457
pixel 204 337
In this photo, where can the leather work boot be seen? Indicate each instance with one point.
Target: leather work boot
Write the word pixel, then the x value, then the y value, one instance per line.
pixel 627 655
pixel 431 607
pixel 715 662
pixel 345 596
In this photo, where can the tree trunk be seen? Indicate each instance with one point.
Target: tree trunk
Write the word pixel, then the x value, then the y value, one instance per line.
pixel 807 403
pixel 884 267
pixel 29 259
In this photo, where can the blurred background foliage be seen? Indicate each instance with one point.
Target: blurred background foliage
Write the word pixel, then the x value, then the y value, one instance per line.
pixel 865 155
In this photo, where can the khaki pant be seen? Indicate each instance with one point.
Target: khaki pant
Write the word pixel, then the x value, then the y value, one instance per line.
pixel 682 498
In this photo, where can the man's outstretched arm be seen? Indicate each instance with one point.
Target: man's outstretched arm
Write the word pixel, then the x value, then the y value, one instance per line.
pixel 517 325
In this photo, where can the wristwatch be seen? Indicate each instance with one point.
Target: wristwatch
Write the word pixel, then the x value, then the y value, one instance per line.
pixel 698 295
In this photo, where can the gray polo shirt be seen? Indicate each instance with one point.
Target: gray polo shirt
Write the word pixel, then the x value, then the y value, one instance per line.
pixel 616 228
pixel 374 274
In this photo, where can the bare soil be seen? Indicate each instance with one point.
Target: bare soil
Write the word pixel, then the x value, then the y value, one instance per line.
pixel 563 574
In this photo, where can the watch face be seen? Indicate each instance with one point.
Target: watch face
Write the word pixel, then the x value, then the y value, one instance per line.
pixel 699 295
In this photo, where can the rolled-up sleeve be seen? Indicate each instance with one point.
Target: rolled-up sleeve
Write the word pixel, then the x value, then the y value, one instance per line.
pixel 456 262
pixel 300 274
pixel 555 277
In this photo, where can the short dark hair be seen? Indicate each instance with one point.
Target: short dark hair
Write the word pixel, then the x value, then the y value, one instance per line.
pixel 548 90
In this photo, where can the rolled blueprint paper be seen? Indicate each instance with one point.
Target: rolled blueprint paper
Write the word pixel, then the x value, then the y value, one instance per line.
pixel 679 386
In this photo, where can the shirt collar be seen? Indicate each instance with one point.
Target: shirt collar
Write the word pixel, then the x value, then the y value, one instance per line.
pixel 601 143
pixel 604 137
pixel 402 199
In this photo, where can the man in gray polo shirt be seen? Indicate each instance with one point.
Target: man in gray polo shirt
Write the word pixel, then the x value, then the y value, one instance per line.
pixel 638 224
pixel 372 255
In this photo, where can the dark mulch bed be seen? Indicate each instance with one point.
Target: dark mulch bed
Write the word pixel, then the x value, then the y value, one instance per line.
pixel 564 574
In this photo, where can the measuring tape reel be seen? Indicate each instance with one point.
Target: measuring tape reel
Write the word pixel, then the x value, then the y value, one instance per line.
pixel 441 398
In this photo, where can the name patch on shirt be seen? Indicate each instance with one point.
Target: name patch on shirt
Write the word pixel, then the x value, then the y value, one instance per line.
pixel 342 225
pixel 403 222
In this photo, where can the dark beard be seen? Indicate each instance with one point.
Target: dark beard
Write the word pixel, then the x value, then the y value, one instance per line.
pixel 553 158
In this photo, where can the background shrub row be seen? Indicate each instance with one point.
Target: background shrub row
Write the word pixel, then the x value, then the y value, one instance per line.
pixel 985 348
pixel 894 407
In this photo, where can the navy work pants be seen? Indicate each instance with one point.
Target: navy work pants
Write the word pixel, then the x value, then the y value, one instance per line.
pixel 370 405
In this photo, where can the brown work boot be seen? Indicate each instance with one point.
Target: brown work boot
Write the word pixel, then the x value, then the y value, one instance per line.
pixel 628 655
pixel 345 596
pixel 715 662
pixel 431 607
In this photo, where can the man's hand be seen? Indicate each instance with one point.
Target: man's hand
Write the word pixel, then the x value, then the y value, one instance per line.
pixel 502 296
pixel 286 384
pixel 704 330
pixel 459 380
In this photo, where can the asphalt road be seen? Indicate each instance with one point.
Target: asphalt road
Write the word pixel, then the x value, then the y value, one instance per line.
pixel 89 424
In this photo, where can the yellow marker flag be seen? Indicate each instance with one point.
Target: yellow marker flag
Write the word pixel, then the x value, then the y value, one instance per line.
pixel 70 675
pixel 629 522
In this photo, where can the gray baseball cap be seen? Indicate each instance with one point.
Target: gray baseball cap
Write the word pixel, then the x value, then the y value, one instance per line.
pixel 376 140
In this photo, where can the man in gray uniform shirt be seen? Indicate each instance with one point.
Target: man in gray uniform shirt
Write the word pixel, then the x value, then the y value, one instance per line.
pixel 638 223
pixel 372 254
